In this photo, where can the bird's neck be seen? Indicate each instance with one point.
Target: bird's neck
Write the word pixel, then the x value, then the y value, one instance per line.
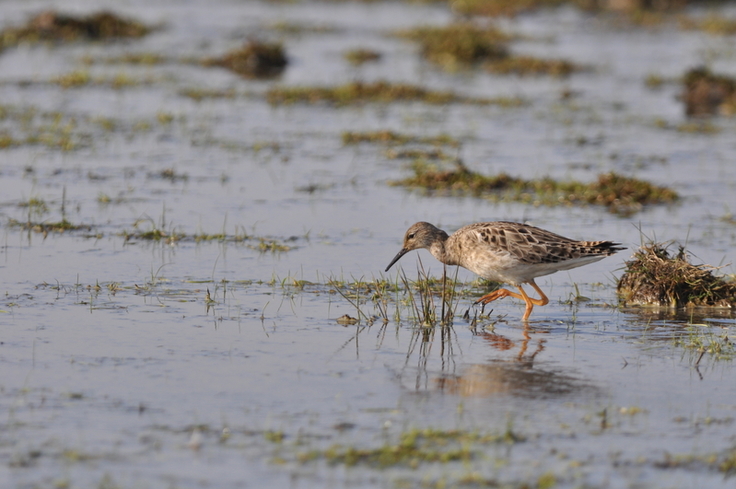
pixel 439 249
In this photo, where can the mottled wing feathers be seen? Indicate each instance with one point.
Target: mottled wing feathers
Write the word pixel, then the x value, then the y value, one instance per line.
pixel 532 245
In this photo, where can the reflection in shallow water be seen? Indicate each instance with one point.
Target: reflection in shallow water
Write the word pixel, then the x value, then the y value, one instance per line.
pixel 696 315
pixel 510 377
pixel 521 375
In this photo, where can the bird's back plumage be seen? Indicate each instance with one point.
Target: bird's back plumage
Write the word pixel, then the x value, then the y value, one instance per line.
pixel 516 253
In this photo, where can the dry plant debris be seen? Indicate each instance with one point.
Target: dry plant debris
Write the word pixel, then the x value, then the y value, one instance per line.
pixel 706 93
pixel 653 277
pixel 359 56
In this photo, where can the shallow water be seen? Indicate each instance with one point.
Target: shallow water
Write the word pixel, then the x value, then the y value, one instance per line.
pixel 119 373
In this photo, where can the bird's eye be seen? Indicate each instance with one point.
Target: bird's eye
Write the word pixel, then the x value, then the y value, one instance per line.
pixel 410 236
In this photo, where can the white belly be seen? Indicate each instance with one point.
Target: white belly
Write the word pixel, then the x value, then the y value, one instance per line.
pixel 508 269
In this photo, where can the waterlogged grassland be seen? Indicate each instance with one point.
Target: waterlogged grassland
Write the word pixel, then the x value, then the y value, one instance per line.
pixel 444 373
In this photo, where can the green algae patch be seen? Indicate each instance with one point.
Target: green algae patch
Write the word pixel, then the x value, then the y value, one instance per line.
pixel 356 93
pixel 395 138
pixel 49 226
pixel 712 24
pixel 414 154
pixel 52 26
pixel 654 277
pixel 35 205
pixel 361 56
pixel 30 126
pixel 530 66
pixel 73 79
pixel 495 8
pixel 199 94
pixel 413 448
pixel 82 78
pixel 724 461
pixel 457 44
pixel 465 44
pixel 147 59
pixel 146 229
pixel 619 194
pixel 628 12
pixel 253 60
pixel 298 29
pixel 706 93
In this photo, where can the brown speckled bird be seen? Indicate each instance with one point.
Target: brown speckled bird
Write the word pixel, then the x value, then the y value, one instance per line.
pixel 506 252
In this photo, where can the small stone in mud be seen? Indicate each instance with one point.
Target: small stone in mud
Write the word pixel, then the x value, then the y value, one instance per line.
pixel 346 320
pixel 254 59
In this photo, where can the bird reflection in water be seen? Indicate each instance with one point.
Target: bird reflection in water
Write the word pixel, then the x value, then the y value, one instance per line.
pixel 517 376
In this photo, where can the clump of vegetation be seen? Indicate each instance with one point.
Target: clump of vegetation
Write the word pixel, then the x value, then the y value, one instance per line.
pixel 619 194
pixel 712 24
pixel 360 56
pixel 457 181
pixel 52 26
pixel 253 60
pixel 706 93
pixel 465 44
pixel 655 81
pixel 380 91
pixel 701 340
pixel 391 137
pixel 35 206
pixel 655 278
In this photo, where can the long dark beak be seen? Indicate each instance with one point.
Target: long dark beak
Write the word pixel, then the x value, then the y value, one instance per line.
pixel 401 253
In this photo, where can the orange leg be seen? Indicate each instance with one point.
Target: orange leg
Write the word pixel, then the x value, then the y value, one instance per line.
pixel 530 302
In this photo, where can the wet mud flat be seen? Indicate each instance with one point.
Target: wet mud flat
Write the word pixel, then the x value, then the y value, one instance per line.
pixel 196 218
